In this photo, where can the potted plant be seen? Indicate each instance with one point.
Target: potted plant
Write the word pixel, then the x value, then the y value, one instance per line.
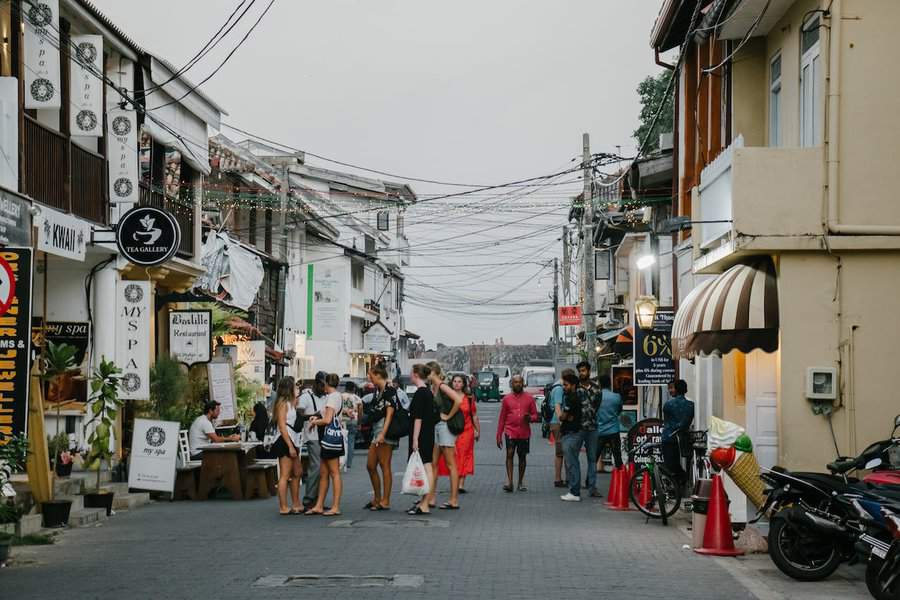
pixel 104 406
pixel 60 456
pixel 58 366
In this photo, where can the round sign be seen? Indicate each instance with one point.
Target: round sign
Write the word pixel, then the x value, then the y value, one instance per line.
pixel 148 236
pixel 7 286
pixel 648 430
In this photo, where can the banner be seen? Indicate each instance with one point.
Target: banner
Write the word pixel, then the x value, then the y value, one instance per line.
pixel 63 235
pixel 327 309
pixel 569 316
pixel 133 301
pixel 154 454
pixel 653 362
pixel 122 156
pixel 15 340
pixel 41 53
pixel 190 336
pixel 86 112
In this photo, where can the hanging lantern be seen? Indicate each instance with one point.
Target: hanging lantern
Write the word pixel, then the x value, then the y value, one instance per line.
pixel 645 311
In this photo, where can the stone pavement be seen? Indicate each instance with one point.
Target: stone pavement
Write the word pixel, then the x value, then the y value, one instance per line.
pixel 520 545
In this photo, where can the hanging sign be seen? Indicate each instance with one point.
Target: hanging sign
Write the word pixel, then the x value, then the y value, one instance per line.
pixel 63 235
pixel 154 455
pixel 221 387
pixel 653 362
pixel 87 89
pixel 190 336
pixel 15 220
pixel 377 339
pixel 122 156
pixel 133 338
pixel 41 53
pixel 15 340
pixel 147 236
pixel 648 431
pixel 570 315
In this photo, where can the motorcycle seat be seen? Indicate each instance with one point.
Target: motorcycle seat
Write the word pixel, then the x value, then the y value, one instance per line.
pixel 826 481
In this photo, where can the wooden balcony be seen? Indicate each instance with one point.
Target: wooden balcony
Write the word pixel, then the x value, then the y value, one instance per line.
pixel 63 175
pixel 182 210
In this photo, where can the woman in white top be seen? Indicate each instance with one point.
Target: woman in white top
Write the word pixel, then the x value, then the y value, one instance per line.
pixel 285 448
pixel 331 441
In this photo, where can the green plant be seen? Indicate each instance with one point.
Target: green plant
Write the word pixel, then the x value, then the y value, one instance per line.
pixel 246 394
pixel 32 539
pixel 221 317
pixel 58 443
pixel 13 453
pixel 168 389
pixel 9 513
pixel 104 406
pixel 58 361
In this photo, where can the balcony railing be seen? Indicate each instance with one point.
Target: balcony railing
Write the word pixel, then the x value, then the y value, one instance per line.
pixel 61 174
pixel 182 210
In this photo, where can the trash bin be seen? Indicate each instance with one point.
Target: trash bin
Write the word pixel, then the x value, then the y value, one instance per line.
pixel 699 508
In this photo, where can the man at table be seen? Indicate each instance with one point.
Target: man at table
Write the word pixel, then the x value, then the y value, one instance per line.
pixel 203 431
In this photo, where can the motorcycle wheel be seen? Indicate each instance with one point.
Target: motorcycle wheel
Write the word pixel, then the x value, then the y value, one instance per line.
pixel 874 582
pixel 799 555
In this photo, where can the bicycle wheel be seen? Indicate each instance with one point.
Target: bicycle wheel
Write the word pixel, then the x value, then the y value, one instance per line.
pixel 660 495
pixel 649 506
pixel 668 493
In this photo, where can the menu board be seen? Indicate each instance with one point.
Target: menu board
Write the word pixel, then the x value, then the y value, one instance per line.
pixel 221 388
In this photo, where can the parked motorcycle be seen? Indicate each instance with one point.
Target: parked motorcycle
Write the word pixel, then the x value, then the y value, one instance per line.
pixel 816 519
pixel 883 568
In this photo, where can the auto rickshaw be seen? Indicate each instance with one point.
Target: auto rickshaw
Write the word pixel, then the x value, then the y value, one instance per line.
pixel 488 387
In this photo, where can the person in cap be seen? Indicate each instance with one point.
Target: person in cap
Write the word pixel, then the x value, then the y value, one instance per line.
pixel 203 431
pixel 311 405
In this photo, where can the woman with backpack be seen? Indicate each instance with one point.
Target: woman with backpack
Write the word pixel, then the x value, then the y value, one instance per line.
pixel 450 424
pixel 331 441
pixel 286 446
pixel 465 441
pixel 380 412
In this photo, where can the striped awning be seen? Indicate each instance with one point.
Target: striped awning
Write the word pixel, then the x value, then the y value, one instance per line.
pixel 738 310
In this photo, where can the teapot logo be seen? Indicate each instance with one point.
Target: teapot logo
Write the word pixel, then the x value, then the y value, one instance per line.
pixel 150 233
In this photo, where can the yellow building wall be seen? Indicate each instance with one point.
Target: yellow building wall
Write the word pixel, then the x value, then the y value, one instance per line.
pixel 750 91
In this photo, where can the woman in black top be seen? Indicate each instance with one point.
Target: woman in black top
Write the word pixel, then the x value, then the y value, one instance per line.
pixel 258 426
pixel 424 415
pixel 382 407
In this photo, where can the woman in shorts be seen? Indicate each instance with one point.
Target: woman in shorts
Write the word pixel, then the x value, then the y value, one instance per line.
pixel 381 411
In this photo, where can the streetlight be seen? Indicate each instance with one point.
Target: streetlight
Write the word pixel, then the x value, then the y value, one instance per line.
pixel 645 311
pixel 645 262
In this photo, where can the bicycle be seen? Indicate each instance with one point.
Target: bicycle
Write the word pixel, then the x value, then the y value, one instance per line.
pixel 665 491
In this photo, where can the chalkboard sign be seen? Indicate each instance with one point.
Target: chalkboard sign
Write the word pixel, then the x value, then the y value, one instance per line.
pixel 221 388
pixel 642 432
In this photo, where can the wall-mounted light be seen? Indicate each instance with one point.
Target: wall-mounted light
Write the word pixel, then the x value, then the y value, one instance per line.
pixel 645 311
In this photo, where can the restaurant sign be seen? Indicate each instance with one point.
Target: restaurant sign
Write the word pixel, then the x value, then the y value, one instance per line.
pixel 15 343
pixel 63 235
pixel 154 454
pixel 190 336
pixel 133 338
pixel 653 362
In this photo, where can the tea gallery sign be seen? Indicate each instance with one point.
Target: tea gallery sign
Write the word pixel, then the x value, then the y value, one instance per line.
pixel 190 336
pixel 147 236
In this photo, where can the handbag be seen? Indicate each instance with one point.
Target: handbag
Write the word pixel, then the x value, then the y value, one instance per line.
pixel 457 423
pixel 332 437
pixel 399 426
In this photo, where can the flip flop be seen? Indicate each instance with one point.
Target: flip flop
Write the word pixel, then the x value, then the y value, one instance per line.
pixel 416 511
pixel 295 512
pixel 312 513
pixel 522 488
pixel 448 506
pixel 331 514
pixel 463 491
pixel 508 489
pixel 285 514
pixel 370 505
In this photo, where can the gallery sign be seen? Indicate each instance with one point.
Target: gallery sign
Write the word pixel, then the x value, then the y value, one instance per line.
pixel 15 220
pixel 15 342
pixel 63 235
pixel 147 236
pixel 154 455
pixel 41 53
pixel 653 362
pixel 190 336
pixel 122 157
pixel 86 113
pixel 133 338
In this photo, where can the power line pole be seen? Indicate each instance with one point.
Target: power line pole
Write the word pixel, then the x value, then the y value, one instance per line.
pixel 556 316
pixel 589 311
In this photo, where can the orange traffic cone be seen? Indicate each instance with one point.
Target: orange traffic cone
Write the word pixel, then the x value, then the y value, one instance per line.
pixel 623 499
pixel 613 487
pixel 551 439
pixel 717 539
pixel 645 496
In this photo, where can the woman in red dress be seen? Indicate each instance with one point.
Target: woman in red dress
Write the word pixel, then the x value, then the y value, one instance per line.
pixel 465 441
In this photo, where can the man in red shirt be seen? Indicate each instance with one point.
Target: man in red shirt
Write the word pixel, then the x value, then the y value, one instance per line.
pixel 517 413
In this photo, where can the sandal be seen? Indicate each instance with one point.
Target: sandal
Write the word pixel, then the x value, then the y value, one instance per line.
pixel 416 511
pixel 286 514
pixel 463 491
pixel 370 505
pixel 312 513
pixel 331 513
pixel 508 489
pixel 522 488
pixel 448 506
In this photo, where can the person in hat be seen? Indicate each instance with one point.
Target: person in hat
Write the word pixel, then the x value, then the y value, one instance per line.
pixel 203 431
pixel 311 405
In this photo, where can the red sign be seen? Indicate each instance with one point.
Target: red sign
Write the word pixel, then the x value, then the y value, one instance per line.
pixel 569 315
pixel 7 286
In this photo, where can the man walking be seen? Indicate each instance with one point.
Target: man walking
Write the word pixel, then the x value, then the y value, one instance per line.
pixel 584 377
pixel 608 421
pixel 517 413
pixel 311 404
pixel 578 418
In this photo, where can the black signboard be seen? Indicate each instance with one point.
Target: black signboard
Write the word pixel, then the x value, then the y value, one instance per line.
pixel 74 333
pixel 648 430
pixel 15 219
pixel 653 362
pixel 15 346
pixel 148 236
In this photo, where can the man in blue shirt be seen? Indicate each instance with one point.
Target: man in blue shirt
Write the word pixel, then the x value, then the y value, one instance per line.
pixel 556 398
pixel 678 414
pixel 608 421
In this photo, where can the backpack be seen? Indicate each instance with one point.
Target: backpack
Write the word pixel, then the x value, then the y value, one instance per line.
pixel 547 410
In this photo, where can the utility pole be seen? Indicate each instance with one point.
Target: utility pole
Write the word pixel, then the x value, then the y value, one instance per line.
pixel 556 317
pixel 587 229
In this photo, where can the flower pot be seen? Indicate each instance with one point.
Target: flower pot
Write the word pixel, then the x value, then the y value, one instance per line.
pixel 56 512
pixel 63 470
pixel 100 500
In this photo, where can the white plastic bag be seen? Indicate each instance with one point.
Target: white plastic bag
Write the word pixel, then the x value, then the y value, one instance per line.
pixel 415 479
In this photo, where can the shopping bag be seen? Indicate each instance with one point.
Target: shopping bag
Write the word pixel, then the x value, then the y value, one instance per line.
pixel 415 479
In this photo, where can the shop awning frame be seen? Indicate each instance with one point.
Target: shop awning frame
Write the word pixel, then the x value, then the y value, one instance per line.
pixel 737 310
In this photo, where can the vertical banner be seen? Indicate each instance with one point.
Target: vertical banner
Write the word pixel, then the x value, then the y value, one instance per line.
pixel 41 52
pixel 15 340
pixel 133 325
pixel 87 90
pixel 123 156
pixel 154 453
pixel 653 362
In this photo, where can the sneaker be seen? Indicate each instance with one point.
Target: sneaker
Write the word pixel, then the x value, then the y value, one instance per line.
pixel 570 497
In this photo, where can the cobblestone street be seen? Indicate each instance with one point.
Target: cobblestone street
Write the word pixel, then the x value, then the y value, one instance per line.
pixel 520 545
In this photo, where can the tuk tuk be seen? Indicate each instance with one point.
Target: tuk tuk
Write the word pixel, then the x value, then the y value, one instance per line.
pixel 488 387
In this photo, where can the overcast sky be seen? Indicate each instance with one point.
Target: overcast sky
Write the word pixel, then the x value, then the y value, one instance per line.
pixel 484 92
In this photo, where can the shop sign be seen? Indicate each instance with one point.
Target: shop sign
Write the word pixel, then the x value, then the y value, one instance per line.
pixel 133 338
pixel 646 431
pixel 221 387
pixel 570 315
pixel 147 236
pixel 63 235
pixel 154 454
pixel 86 112
pixel 41 53
pixel 653 362
pixel 190 336
pixel 74 333
pixel 122 157
pixel 15 220
pixel 7 286
pixel 15 344
pixel 377 339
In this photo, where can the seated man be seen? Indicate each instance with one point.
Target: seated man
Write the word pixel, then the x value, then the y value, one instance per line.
pixel 203 432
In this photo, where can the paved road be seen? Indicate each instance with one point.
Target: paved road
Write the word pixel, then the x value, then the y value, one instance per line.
pixel 521 545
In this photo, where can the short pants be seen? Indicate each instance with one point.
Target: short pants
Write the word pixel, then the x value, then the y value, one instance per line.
pixel 554 429
pixel 443 437
pixel 521 447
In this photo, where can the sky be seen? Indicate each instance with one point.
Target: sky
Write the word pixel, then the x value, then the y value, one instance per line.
pixel 479 93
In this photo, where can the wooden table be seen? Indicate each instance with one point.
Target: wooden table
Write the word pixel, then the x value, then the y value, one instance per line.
pixel 225 463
